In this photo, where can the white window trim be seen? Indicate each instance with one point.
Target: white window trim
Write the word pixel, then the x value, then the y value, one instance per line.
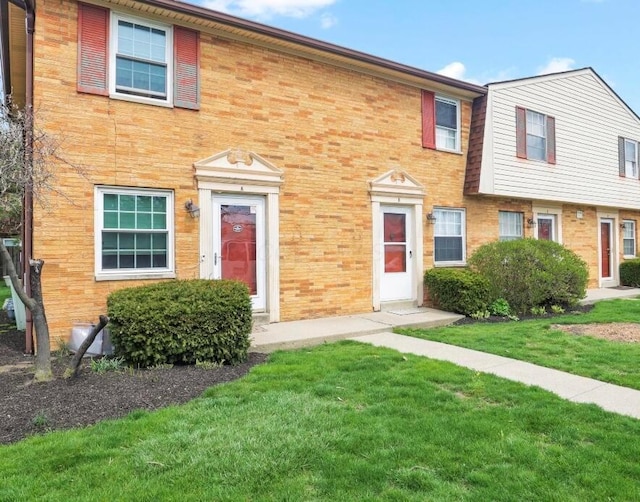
pixel 632 223
pixel 511 237
pixel 120 275
pixel 636 160
pixel 462 262
pixel 113 47
pixel 458 148
pixel 545 137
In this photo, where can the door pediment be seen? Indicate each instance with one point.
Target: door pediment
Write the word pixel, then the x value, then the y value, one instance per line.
pixel 238 166
pixel 395 184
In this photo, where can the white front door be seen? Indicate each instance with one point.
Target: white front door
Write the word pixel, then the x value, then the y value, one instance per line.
pixel 239 243
pixel 396 253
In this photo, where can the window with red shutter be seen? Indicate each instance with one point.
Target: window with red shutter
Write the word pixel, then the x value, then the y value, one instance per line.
pixel 535 136
pixel 93 55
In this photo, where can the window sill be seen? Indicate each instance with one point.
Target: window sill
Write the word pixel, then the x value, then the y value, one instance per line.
pixel 133 276
pixel 140 99
pixel 450 264
pixel 446 150
pixel 629 256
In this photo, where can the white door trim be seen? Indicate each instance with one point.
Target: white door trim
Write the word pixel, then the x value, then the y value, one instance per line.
pixel 236 172
pixel 614 261
pixel 398 286
pixel 397 188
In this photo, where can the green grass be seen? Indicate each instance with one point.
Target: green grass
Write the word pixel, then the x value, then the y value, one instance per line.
pixel 5 293
pixel 341 422
pixel 536 342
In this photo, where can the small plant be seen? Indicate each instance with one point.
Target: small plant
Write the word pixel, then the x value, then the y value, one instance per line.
pixel 209 365
pixel 500 307
pixel 538 310
pixel 480 315
pixel 512 317
pixel 557 309
pixel 161 366
pixel 105 364
pixel 63 350
pixel 41 420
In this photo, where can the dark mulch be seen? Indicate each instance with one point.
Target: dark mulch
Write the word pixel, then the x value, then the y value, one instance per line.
pixel 578 309
pixel 28 408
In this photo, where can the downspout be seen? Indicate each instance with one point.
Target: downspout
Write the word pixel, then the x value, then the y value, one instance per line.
pixel 27 231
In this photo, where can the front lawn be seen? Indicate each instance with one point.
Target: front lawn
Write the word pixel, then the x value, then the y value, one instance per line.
pixel 5 292
pixel 537 342
pixel 341 422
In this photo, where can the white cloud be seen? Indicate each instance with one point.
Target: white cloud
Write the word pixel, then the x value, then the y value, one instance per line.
pixel 265 9
pixel 328 21
pixel 453 70
pixel 556 65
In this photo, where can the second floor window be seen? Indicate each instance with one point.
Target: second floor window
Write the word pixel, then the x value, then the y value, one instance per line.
pixel 630 158
pixel 141 59
pixel 446 124
pixel 535 136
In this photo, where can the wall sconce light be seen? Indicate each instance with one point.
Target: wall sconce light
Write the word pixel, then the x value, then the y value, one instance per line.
pixel 623 225
pixel 431 218
pixel 531 222
pixel 192 209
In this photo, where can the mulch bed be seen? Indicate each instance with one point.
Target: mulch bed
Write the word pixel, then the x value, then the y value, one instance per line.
pixel 578 309
pixel 28 408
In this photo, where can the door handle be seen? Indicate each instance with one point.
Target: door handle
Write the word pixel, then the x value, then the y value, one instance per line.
pixel 410 254
pixel 215 259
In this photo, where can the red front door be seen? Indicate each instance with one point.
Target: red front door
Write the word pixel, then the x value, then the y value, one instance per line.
pixel 238 253
pixel 605 249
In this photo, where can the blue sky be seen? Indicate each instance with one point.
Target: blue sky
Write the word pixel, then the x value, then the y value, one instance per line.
pixel 479 41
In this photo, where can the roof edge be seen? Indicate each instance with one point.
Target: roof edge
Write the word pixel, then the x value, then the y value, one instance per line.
pixel 312 43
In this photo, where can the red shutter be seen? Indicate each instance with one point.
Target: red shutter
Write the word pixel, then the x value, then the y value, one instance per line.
pixel 551 140
pixel 93 54
pixel 186 48
pixel 521 133
pixel 428 119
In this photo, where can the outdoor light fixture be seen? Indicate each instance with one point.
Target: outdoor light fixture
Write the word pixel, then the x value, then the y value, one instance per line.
pixel 531 222
pixel 192 209
pixel 431 218
pixel 623 225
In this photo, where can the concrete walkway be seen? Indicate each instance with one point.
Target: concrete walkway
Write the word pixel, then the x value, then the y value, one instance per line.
pixel 376 328
pixel 571 387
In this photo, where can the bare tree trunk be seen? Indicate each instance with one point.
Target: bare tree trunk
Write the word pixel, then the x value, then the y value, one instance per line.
pixel 75 362
pixel 43 354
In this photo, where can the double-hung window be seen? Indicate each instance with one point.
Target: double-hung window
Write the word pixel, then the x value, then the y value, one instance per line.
pixel 137 59
pixel 449 236
pixel 134 233
pixel 447 130
pixel 629 238
pixel 629 156
pixel 141 58
pixel 440 122
pixel 535 136
pixel 510 225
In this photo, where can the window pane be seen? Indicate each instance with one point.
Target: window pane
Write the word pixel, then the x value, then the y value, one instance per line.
pixel 127 203
pixel 143 203
pixel 127 220
pixel 110 220
pixel 510 225
pixel 448 249
pixel 394 227
pixel 536 148
pixel 446 138
pixel 144 221
pixel 446 114
pixel 143 241
pixel 110 202
pixel 124 72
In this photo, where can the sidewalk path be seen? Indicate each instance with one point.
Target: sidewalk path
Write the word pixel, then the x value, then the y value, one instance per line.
pixel 575 388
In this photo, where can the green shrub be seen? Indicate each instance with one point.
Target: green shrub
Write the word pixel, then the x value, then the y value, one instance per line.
pixel 181 322
pixel 531 273
pixel 630 273
pixel 500 307
pixel 458 290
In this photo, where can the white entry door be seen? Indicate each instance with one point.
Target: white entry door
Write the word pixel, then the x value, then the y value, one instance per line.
pixel 397 254
pixel 239 245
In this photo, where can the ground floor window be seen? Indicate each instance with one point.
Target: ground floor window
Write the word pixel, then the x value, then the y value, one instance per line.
pixel 449 236
pixel 510 225
pixel 629 238
pixel 134 232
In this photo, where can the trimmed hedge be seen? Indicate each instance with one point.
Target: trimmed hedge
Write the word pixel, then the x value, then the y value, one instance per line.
pixel 630 273
pixel 458 290
pixel 181 322
pixel 531 273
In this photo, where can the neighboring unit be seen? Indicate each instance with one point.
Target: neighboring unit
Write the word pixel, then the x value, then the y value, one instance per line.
pixel 566 147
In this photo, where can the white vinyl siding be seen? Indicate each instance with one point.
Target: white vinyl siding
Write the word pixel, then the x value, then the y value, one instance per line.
pixel 447 124
pixel 449 237
pixel 589 120
pixel 629 238
pixel 510 225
